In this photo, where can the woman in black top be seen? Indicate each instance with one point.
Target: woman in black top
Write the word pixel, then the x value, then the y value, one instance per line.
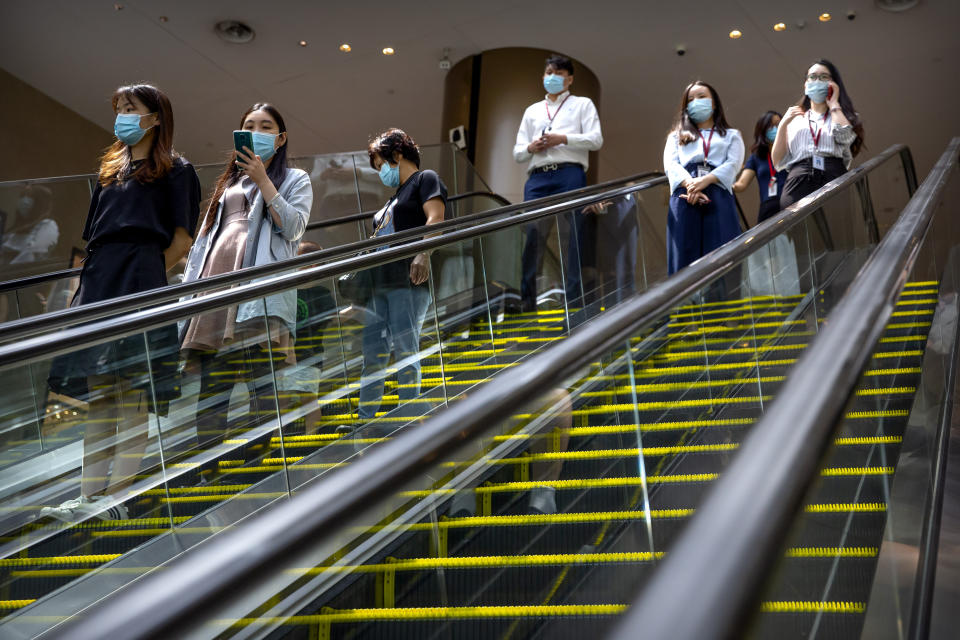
pixel 400 295
pixel 760 166
pixel 141 220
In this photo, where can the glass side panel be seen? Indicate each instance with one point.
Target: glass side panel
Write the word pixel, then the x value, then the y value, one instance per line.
pixel 40 223
pixel 41 220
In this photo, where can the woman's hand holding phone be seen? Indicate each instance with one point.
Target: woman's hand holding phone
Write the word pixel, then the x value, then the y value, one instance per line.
pixel 252 165
pixel 833 95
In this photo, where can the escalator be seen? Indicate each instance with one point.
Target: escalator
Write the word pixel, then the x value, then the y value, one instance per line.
pixel 626 438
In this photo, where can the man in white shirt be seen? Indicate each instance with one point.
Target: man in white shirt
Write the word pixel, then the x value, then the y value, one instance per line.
pixel 555 138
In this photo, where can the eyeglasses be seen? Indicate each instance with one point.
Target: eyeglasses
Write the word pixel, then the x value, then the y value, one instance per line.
pixel 822 77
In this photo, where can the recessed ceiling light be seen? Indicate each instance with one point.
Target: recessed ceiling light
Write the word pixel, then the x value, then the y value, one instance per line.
pixel 234 32
pixel 345 48
pixel 388 51
pixel 779 26
pixel 735 34
pixel 825 17
pixel 303 43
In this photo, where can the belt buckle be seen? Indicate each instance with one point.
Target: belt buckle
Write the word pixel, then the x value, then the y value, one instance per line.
pixel 550 167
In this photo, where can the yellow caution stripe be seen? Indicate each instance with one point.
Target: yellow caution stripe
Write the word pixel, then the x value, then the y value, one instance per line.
pixel 9 605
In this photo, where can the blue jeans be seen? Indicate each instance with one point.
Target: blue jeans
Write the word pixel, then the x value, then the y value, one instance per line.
pixel 392 314
pixel 539 185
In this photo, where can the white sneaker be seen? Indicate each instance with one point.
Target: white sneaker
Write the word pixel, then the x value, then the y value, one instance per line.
pixel 100 507
pixel 543 501
pixel 67 511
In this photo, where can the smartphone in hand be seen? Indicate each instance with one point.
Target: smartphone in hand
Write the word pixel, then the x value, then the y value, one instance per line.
pixel 830 92
pixel 242 139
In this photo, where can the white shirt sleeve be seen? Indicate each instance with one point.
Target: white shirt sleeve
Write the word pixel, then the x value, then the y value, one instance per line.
pixel 727 172
pixel 524 138
pixel 676 174
pixel 590 137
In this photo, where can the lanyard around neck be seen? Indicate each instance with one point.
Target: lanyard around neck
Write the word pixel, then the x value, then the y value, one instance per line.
pixel 820 128
pixel 706 143
pixel 546 104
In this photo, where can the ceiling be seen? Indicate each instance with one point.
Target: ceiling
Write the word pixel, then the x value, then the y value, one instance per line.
pixel 899 67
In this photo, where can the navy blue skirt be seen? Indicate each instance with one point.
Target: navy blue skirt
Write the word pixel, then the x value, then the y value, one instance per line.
pixel 111 270
pixel 694 231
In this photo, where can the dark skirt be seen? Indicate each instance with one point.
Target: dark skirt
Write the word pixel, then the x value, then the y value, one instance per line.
pixel 694 231
pixel 112 270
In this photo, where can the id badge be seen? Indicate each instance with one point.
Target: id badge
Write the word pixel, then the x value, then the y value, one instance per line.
pixel 702 170
pixel 818 162
pixel 772 188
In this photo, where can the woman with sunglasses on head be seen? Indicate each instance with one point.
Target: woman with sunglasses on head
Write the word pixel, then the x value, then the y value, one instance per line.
pixel 760 166
pixel 257 214
pixel 819 136
pixel 141 219
pixel 701 159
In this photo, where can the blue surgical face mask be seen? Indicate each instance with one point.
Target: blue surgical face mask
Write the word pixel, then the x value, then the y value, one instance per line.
pixel 390 176
pixel 127 128
pixel 771 134
pixel 817 91
pixel 700 109
pixel 264 144
pixel 553 83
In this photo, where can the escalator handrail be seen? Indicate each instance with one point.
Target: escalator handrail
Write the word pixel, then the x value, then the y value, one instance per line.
pixel 21 351
pixel 366 215
pixel 739 529
pixel 9 285
pixel 155 607
pixel 33 325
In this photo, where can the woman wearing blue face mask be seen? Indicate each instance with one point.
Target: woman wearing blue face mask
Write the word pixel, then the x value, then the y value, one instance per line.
pixel 257 214
pixel 400 293
pixel 760 166
pixel 818 137
pixel 701 159
pixel 142 215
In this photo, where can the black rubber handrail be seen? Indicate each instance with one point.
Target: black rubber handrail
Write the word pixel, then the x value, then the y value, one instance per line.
pixel 214 571
pixel 40 278
pixel 725 554
pixel 118 325
pixel 33 325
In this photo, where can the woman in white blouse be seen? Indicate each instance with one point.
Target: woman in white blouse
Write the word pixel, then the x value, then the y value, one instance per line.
pixel 819 136
pixel 701 159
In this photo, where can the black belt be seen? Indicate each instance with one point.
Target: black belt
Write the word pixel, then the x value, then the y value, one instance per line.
pixel 831 164
pixel 556 166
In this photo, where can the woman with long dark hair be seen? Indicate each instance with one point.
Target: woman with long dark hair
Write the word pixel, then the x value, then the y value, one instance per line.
pixel 819 136
pixel 141 219
pixel 760 166
pixel 701 159
pixel 257 214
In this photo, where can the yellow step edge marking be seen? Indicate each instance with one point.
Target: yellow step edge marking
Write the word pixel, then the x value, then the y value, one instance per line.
pixel 225 496
pixel 883 391
pixel 485 562
pixel 434 613
pixel 74 573
pixel 188 490
pixel 857 471
pixel 840 442
pixel 832 552
pixel 812 607
pixel 922 283
pixel 868 507
pixel 32 562
pixel 616 453
pixel 7 605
